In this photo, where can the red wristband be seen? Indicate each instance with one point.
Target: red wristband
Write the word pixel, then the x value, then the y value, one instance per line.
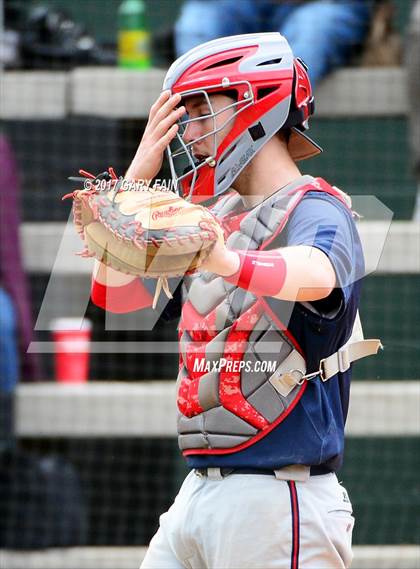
pixel 121 299
pixel 261 272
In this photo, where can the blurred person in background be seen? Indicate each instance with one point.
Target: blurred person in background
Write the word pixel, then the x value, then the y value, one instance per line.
pixel 412 62
pixel 324 33
pixel 15 312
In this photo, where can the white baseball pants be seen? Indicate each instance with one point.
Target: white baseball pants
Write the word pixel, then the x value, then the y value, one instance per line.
pixel 256 521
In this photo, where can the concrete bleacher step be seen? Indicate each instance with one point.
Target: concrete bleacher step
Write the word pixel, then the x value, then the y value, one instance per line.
pixel 118 93
pixel 51 246
pixel 147 409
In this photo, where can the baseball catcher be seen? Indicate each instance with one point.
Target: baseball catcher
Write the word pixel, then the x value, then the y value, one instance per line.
pixel 267 308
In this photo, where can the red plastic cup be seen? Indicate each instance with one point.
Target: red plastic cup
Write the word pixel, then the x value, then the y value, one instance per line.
pixel 72 349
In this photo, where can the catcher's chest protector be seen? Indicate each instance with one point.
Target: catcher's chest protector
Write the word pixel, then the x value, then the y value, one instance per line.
pixel 222 410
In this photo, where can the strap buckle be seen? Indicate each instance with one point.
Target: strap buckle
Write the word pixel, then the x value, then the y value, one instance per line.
pixel 304 377
pixel 343 359
pixel 288 380
pixel 309 376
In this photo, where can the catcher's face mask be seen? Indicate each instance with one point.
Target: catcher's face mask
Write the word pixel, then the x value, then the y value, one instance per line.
pixel 208 120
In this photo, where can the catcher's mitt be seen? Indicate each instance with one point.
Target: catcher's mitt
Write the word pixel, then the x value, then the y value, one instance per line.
pixel 149 233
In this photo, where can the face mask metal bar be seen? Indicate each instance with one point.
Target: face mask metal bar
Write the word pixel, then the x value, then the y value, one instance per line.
pixel 214 131
pixel 185 147
pixel 250 101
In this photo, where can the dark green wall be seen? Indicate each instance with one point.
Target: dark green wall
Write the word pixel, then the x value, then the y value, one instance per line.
pixel 368 156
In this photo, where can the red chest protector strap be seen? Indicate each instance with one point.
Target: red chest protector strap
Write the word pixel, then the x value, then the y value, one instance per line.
pixel 318 185
pixel 232 223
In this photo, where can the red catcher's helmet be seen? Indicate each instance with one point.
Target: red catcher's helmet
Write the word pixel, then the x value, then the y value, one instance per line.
pixel 272 90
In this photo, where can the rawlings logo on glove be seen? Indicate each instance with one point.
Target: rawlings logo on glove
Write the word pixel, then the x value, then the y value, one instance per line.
pixel 166 213
pixel 150 233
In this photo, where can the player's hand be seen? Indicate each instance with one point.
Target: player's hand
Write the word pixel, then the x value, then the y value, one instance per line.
pixel 161 128
pixel 221 261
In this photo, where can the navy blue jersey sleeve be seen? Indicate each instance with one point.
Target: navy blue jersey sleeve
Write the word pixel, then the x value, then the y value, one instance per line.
pixel 322 221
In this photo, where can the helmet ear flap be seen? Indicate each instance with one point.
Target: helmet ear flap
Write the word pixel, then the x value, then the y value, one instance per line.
pixel 302 97
pixel 302 104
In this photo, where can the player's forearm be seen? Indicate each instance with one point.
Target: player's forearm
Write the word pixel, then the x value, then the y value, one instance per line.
pixel 116 292
pixel 299 273
pixel 309 274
